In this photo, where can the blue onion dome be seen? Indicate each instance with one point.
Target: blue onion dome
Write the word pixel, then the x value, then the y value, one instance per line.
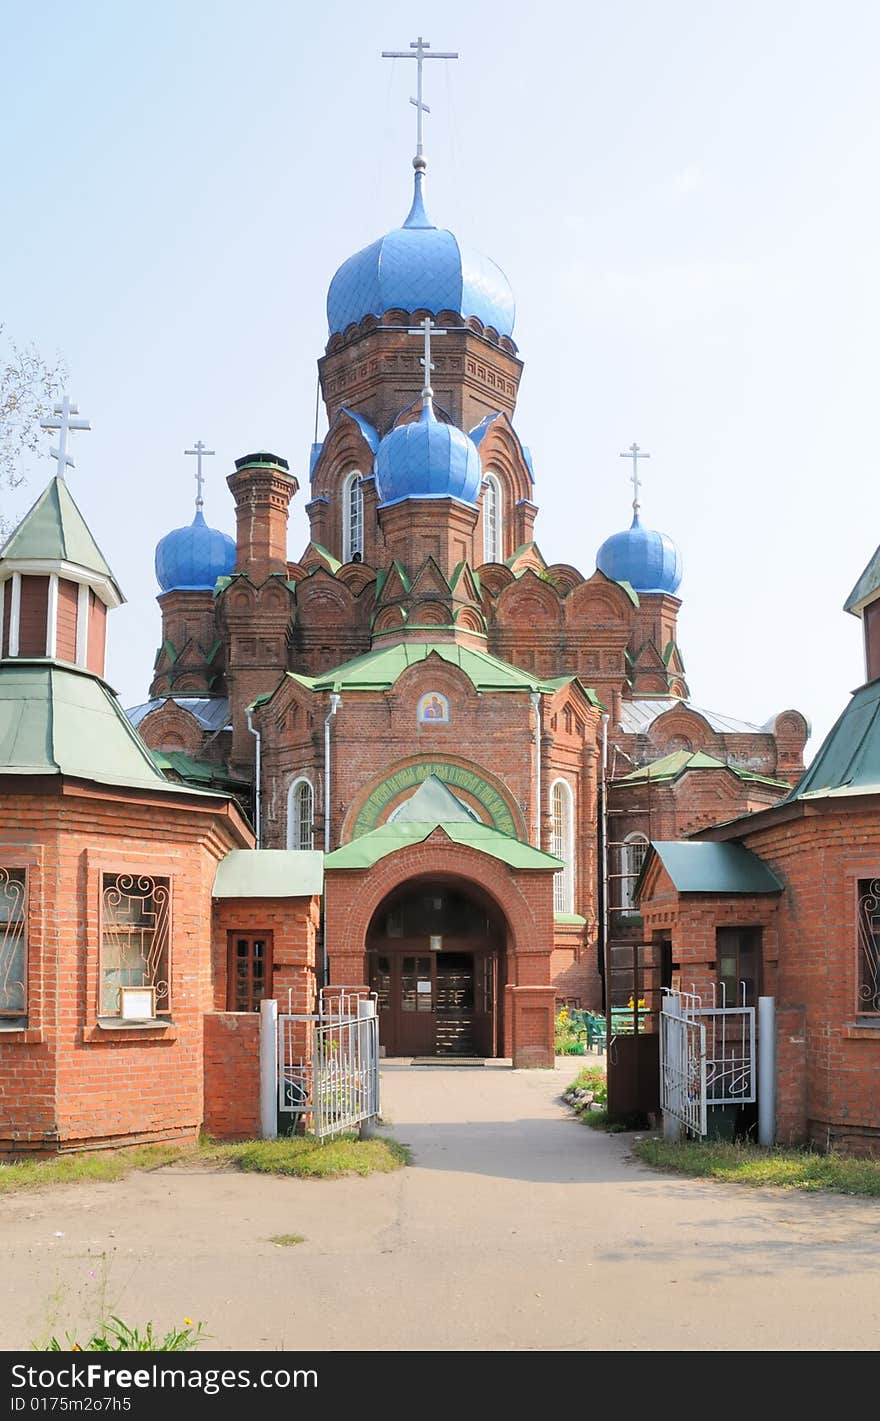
pixel 427 459
pixel 420 267
pixel 193 558
pixel 648 561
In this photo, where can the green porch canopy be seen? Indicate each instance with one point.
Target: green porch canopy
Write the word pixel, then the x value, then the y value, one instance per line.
pixel 363 852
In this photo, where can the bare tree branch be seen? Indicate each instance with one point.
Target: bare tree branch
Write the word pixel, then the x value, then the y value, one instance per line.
pixel 29 385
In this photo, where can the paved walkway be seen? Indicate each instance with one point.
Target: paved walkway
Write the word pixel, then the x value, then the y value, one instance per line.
pixel 517 1228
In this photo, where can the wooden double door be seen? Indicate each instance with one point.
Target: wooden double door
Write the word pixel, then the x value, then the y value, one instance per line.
pixel 436 1003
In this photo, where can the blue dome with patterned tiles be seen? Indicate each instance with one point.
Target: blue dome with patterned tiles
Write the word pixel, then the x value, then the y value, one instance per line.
pixel 420 267
pixel 191 559
pixel 427 459
pixel 648 561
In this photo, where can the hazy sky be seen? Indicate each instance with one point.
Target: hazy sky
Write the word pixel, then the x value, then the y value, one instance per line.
pixel 683 194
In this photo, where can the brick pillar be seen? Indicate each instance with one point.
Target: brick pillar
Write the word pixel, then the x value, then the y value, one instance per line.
pixel 262 487
pixel 532 1010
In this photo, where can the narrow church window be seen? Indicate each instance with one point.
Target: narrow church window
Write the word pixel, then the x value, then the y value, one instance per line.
pixel 562 845
pixel 632 856
pixel 13 941
pixel 300 815
pixel 492 520
pixel 135 939
pixel 352 517
pixel 869 945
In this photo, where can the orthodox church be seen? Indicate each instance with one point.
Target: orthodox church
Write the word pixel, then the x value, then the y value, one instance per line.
pixel 466 732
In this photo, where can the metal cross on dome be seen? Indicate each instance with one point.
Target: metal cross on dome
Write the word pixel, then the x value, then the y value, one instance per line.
pixel 427 329
pixel 635 453
pixel 421 48
pixel 201 453
pixel 60 419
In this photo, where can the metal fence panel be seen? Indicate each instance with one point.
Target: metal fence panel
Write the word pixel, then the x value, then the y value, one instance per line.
pixel 683 1064
pixel 334 1079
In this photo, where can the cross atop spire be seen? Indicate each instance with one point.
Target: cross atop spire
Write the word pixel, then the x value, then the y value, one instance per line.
pixel 60 419
pixel 201 453
pixel 427 329
pixel 635 453
pixel 421 48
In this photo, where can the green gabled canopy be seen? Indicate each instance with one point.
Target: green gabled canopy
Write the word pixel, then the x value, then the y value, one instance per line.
pixel 388 838
pixel 54 530
pixel 669 767
pixel 434 802
pixel 61 721
pixel 378 670
pixel 848 761
pixel 199 772
pixel 711 868
pixel 866 587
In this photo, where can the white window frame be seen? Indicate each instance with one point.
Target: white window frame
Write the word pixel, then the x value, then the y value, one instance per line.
pixel 352 516
pixel 493 520
pixel 562 844
pixel 630 867
pixel 294 814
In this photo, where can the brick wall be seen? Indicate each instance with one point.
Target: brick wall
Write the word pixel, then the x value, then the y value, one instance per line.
pixel 232 1075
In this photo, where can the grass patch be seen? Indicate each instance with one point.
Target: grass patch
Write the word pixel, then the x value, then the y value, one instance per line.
pixel 305 1158
pixel 99 1167
pixel 287 1240
pixel 749 1164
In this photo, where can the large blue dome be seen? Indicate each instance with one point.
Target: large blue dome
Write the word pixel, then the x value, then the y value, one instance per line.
pixel 193 558
pixel 648 561
pixel 420 267
pixel 427 459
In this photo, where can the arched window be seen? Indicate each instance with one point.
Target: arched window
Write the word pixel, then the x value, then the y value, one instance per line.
pixel 632 856
pixel 300 815
pixel 352 517
pixel 562 844
pixel 493 528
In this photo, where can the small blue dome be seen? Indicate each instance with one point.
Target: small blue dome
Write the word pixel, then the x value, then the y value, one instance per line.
pixel 427 459
pixel 648 561
pixel 193 558
pixel 420 267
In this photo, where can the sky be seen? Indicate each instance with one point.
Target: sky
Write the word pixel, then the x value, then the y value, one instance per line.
pixel 683 195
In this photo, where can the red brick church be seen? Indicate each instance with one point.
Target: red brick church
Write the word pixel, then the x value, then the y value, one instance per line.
pixel 421 696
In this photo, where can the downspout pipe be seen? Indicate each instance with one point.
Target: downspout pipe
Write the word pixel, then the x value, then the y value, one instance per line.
pixel 334 706
pixel 603 884
pixel 535 697
pixel 258 793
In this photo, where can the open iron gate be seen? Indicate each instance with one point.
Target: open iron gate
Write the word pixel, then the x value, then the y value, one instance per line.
pixel 707 1057
pixel 328 1063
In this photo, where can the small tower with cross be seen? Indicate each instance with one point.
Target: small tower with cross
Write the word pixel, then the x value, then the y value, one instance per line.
pixel 55 583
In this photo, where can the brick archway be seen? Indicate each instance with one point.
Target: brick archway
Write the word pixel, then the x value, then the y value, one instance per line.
pixel 523 898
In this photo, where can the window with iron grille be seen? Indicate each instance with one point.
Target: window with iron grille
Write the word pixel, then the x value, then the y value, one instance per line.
pixel 869 946
pixel 135 939
pixel 632 856
pixel 352 517
pixel 300 815
pixel 13 942
pixel 562 845
pixel 492 528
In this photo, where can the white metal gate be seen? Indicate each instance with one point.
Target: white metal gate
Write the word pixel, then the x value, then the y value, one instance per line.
pixel 707 1057
pixel 328 1063
pixel 682 1062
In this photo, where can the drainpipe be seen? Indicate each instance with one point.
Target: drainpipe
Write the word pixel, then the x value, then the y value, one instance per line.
pixel 536 706
pixel 258 795
pixel 603 883
pixel 334 706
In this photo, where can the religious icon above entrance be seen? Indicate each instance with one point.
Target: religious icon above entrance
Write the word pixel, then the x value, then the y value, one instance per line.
pixel 433 709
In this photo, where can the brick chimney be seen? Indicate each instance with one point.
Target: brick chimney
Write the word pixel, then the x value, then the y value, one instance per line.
pixel 262 487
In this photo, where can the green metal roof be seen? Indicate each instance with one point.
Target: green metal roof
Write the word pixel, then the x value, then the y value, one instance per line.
pixel 57 720
pixel 867 585
pixel 572 919
pixel 54 530
pixel 433 802
pixel 712 868
pixel 378 670
pixel 269 873
pixel 848 761
pixel 669 767
pixel 197 771
pixel 388 838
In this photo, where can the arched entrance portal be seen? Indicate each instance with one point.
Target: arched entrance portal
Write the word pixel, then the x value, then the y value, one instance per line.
pixel 436 955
